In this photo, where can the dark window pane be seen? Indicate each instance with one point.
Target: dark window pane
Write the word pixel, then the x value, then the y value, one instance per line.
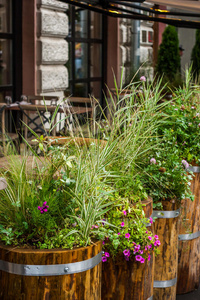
pixel 5 16
pixel 80 90
pixel 3 94
pixel 81 61
pixel 81 23
pixel 95 26
pixel 95 60
pixel 144 36
pixel 5 62
pixel 96 89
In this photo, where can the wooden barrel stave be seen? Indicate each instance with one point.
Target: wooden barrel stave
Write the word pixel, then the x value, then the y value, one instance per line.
pixel 167 261
pixel 189 251
pixel 84 285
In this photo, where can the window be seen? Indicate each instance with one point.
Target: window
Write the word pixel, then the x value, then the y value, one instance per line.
pixel 10 16
pixel 86 44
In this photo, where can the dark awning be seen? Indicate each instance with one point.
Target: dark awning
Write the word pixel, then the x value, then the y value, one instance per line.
pixel 188 14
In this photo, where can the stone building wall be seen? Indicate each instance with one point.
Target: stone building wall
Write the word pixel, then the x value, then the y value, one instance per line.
pixel 52 48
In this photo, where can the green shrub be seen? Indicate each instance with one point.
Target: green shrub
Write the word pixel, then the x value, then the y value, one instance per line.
pixel 168 64
pixel 195 57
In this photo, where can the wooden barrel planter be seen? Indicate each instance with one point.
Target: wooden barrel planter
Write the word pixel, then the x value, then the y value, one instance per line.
pixel 51 274
pixel 128 280
pixel 189 239
pixel 166 263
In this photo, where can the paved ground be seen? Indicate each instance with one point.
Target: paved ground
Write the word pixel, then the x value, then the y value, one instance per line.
pixel 190 296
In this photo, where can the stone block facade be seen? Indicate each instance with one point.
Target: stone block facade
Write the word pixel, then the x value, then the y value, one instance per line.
pixel 52 48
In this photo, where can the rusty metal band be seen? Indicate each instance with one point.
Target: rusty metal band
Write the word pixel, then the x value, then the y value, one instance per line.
pixel 166 214
pixel 50 270
pixel 189 236
pixel 150 298
pixel 194 169
pixel 165 283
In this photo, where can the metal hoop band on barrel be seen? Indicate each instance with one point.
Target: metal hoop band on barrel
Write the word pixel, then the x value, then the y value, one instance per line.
pixel 50 270
pixel 189 236
pixel 166 214
pixel 165 283
pixel 194 169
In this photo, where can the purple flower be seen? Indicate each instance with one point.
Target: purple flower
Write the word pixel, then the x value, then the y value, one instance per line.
pixel 96 226
pixel 103 243
pixel 149 246
pixel 138 257
pixel 104 259
pixel 151 220
pixel 152 161
pixel 156 236
pixel 143 78
pixel 124 212
pixel 44 207
pixel 185 163
pixel 142 260
pixel 158 243
pixel 150 238
pixel 107 254
pixel 175 108
pixel 127 235
pixel 127 252
pixel 122 224
pixel 119 233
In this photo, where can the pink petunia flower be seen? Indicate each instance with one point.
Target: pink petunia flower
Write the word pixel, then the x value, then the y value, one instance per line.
pixel 122 224
pixel 104 259
pixel 124 212
pixel 127 235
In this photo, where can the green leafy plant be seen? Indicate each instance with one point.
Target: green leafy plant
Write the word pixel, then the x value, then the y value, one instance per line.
pixel 168 64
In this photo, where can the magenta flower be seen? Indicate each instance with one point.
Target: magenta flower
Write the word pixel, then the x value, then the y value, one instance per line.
pixel 150 238
pixel 119 233
pixel 96 226
pixel 44 207
pixel 149 246
pixel 185 163
pixel 158 243
pixel 156 236
pixel 149 257
pixel 107 254
pixel 143 78
pixel 142 260
pixel 127 235
pixel 138 257
pixel 151 220
pixel 122 224
pixel 104 259
pixel 152 161
pixel 103 243
pixel 124 212
pixel 127 252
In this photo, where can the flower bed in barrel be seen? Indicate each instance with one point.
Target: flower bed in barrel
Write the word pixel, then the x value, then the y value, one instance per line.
pixel 167 183
pixel 183 132
pixel 48 249
pixel 128 260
